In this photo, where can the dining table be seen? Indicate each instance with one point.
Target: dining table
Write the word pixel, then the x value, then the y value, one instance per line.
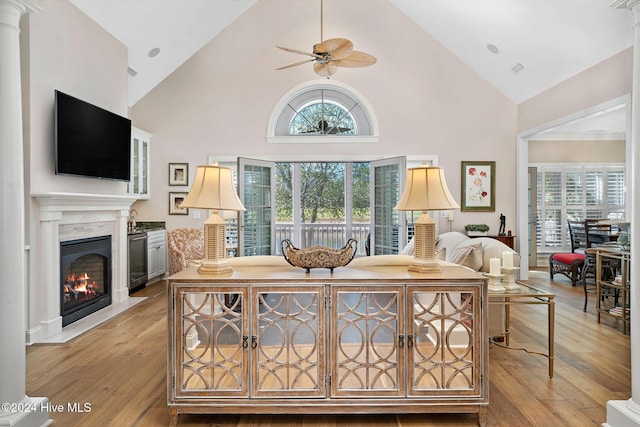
pixel 606 231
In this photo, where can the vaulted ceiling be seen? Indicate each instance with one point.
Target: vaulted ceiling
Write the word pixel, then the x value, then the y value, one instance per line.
pixel 522 47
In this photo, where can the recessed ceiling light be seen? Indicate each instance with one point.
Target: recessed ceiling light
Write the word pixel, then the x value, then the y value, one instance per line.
pixel 493 48
pixel 154 52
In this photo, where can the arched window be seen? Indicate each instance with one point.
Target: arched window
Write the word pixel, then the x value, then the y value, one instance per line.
pixel 326 111
pixel 323 118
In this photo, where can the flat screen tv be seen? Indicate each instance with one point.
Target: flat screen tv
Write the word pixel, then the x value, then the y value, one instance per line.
pixel 91 141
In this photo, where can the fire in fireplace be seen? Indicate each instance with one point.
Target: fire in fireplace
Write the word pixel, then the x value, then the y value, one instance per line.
pixel 85 277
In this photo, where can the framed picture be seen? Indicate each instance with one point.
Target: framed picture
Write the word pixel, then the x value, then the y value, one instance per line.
pixel 178 173
pixel 174 204
pixel 478 186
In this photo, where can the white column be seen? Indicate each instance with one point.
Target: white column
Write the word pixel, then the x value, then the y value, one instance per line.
pixel 21 411
pixel 120 276
pixel 626 413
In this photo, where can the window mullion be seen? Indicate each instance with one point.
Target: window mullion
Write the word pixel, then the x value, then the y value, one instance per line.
pixel 348 199
pixel 296 202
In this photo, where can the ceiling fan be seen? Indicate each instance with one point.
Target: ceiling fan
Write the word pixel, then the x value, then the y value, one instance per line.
pixel 331 54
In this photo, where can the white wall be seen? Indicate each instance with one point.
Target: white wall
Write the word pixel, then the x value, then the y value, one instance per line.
pixel 426 100
pixel 577 151
pixel 69 52
pixel 603 82
pixel 61 48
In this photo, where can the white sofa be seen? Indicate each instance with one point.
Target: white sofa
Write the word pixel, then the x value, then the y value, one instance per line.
pixel 450 247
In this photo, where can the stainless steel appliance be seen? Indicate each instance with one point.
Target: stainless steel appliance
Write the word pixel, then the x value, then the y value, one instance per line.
pixel 138 262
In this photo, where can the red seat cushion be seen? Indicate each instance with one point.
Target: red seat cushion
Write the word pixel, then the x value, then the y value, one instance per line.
pixel 567 258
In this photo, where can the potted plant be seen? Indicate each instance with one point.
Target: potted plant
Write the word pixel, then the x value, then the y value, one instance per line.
pixel 476 229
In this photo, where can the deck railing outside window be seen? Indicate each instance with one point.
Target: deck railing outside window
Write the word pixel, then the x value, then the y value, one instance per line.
pixel 323 234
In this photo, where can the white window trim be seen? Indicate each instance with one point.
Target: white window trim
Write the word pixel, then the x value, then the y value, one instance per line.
pixel 322 139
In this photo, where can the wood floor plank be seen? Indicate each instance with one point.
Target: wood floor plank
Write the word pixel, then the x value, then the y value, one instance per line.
pixel 119 368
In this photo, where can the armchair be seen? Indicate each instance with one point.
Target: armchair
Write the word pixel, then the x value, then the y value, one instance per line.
pixel 186 248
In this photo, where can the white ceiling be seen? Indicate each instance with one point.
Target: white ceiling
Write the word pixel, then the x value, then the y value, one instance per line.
pixel 553 39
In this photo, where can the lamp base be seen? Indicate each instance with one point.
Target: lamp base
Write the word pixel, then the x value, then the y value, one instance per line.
pixel 215 253
pixel 214 267
pixel 424 265
pixel 424 245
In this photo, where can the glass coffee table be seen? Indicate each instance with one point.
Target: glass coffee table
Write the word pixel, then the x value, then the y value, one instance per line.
pixel 527 294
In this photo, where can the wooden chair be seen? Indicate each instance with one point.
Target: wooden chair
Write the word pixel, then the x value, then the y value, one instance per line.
pixel 570 263
pixel 597 234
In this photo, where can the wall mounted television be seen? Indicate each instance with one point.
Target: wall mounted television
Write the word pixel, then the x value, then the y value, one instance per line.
pixel 91 141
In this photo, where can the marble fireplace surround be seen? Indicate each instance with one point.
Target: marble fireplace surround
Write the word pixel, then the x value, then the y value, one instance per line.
pixel 70 216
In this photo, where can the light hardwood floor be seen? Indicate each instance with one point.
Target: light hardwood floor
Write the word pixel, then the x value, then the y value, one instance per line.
pixel 119 368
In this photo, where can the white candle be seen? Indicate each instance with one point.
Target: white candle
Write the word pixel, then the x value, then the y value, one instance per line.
pixel 494 266
pixel 507 259
pixel 450 216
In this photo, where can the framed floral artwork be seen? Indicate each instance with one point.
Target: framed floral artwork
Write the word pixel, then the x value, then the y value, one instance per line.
pixel 175 199
pixel 478 186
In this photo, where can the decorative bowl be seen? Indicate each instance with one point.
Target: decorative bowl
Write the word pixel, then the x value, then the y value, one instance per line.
pixel 319 256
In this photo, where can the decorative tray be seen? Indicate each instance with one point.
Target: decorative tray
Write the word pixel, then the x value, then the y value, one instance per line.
pixel 319 256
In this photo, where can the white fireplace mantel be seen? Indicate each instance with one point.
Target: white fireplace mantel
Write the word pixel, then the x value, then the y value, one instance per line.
pixel 69 202
pixel 69 216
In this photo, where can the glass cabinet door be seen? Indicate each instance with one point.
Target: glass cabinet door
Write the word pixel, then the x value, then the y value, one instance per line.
pixel 213 351
pixel 443 333
pixel 368 341
pixel 288 342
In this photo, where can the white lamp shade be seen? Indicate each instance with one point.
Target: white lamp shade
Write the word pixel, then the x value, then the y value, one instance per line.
pixel 425 190
pixel 213 189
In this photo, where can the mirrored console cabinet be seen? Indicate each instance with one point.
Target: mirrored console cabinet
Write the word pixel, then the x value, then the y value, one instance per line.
pixel 375 340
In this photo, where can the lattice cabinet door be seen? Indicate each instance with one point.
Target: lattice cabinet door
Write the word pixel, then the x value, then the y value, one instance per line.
pixel 367 348
pixel 444 331
pixel 212 354
pixel 288 341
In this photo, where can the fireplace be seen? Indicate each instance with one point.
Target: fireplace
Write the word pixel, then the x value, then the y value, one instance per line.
pixel 85 277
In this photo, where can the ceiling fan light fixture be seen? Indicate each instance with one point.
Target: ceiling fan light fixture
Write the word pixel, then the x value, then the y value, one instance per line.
pixel 331 54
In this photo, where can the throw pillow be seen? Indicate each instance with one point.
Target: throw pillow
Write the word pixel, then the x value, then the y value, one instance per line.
pixel 469 255
pixel 407 250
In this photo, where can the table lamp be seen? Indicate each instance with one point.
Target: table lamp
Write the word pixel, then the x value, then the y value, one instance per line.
pixel 213 189
pixel 425 190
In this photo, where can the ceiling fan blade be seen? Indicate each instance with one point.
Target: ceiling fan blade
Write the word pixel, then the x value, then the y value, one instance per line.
pixel 325 70
pixel 288 49
pixel 306 61
pixel 356 59
pixel 338 48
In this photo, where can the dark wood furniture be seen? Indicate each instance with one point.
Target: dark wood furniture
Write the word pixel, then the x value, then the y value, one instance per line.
pixel 355 341
pixel 598 233
pixel 507 240
pixel 570 264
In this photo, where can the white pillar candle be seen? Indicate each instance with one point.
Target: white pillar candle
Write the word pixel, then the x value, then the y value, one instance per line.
pixel 507 259
pixel 450 216
pixel 494 266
